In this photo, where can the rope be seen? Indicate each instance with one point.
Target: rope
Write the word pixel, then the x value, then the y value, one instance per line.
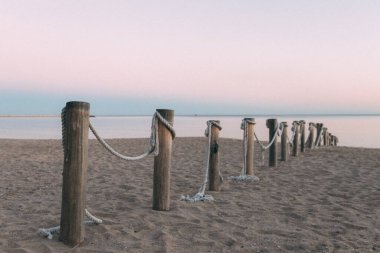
pixel 63 122
pixel 278 132
pixel 49 232
pixel 243 173
pixel 318 143
pixel 200 195
pixel 293 129
pixel 310 141
pixel 153 142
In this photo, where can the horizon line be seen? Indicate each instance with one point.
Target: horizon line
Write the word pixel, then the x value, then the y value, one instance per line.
pixel 194 115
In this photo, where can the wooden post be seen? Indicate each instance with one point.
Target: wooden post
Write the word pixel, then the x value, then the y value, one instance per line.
pixel 272 125
pixel 162 164
pixel 296 137
pixel 319 132
pixel 284 142
pixel 215 181
pixel 249 158
pixel 331 139
pixel 302 129
pixel 311 135
pixel 325 136
pixel 335 141
pixel 76 126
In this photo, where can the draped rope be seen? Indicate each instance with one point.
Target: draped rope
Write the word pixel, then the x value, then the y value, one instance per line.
pixel 200 195
pixel 278 132
pixel 321 133
pixel 153 141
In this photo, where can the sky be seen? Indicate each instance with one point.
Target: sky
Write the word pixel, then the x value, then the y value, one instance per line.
pixel 195 57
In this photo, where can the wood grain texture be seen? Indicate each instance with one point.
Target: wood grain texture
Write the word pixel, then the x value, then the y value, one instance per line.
pixel 74 173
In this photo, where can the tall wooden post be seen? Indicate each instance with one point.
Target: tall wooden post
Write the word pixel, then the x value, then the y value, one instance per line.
pixel 331 139
pixel 249 158
pixel 302 130
pixel 75 142
pixel 215 181
pixel 284 142
pixel 325 136
pixel 311 135
pixel 319 132
pixel 296 138
pixel 272 125
pixel 162 164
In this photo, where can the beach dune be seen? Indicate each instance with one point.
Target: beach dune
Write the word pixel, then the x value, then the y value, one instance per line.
pixel 324 200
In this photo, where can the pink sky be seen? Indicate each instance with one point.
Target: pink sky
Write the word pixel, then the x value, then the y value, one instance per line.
pixel 309 54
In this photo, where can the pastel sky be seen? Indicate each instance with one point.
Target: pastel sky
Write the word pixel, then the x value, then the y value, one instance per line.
pixel 209 56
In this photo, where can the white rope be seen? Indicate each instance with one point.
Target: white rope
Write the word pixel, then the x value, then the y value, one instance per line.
pixel 277 132
pixel 243 173
pixel 318 143
pixel 153 142
pixel 294 131
pixel 49 232
pixel 200 195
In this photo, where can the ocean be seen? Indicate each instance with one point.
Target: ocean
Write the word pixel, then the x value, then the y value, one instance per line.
pixel 354 131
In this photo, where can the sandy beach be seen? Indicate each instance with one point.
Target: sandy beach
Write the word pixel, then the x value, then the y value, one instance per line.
pixel 324 200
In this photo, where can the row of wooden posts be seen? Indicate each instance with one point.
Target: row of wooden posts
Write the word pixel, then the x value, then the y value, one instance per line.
pixel 76 124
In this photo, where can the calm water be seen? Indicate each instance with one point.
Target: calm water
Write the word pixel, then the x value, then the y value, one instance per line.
pixel 356 131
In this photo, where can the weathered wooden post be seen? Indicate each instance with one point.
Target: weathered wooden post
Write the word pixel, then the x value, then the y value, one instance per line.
pixel 325 136
pixel 302 129
pixel 319 133
pixel 162 164
pixel 296 138
pixel 284 142
pixel 250 148
pixel 311 135
pixel 215 181
pixel 75 144
pixel 335 141
pixel 330 139
pixel 272 125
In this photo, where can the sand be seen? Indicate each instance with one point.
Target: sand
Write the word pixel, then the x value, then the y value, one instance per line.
pixel 324 200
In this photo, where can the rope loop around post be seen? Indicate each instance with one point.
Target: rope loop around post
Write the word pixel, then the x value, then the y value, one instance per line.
pixel 166 123
pixel 213 123
pixel 49 232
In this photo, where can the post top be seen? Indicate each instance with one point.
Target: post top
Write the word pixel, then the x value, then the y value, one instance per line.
pixel 271 122
pixel 250 120
pixel 284 123
pixel 165 110
pixel 78 104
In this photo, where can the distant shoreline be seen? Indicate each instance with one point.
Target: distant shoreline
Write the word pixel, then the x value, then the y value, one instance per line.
pixel 206 115
pixel 29 116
